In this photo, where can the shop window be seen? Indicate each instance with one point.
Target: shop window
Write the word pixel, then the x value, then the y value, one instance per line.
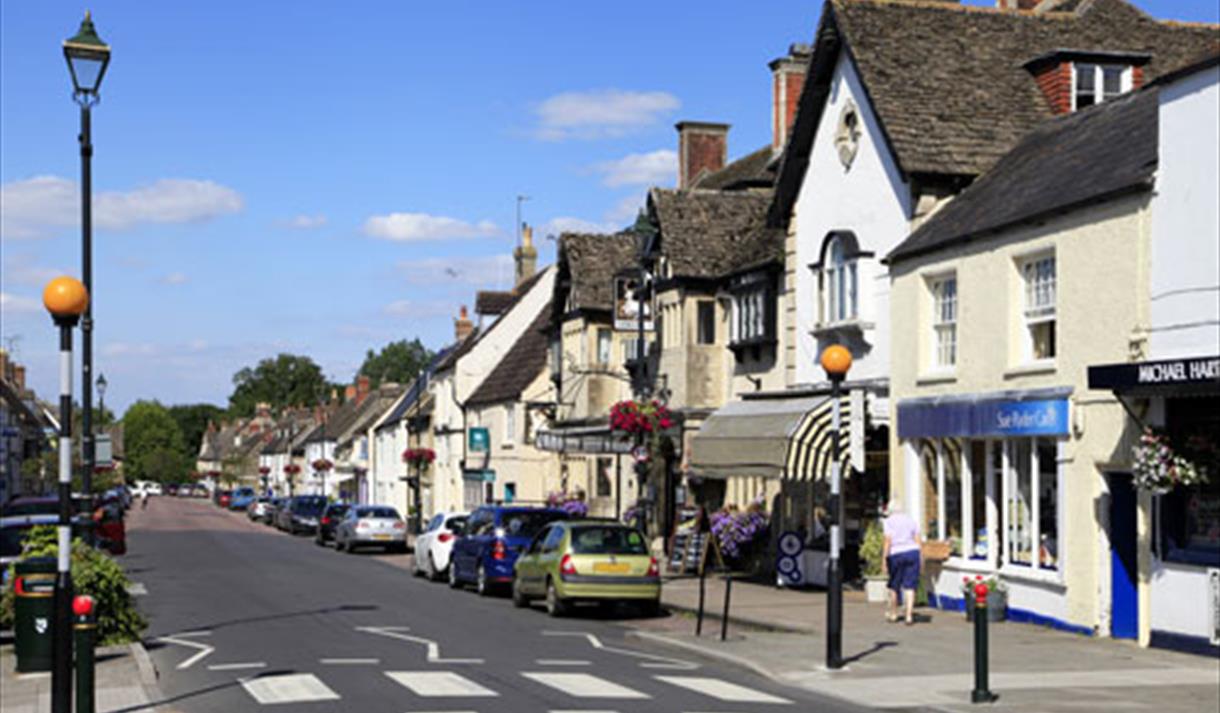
pixel 929 523
pixel 944 322
pixel 977 507
pixel 604 341
pixel 603 477
pixel 951 486
pixel 1033 470
pixel 706 323
pixel 1039 314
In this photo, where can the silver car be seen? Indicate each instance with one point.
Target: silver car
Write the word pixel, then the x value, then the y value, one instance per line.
pixel 371 526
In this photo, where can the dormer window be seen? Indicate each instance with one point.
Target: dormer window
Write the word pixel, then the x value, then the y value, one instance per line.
pixel 1096 83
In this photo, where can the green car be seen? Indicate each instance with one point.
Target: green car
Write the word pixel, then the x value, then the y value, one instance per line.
pixel 582 561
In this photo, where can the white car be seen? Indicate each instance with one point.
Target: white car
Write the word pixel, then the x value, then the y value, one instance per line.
pixel 147 486
pixel 433 546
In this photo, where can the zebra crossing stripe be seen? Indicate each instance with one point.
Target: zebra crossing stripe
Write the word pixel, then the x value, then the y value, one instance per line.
pixel 288 688
pixel 584 685
pixel 722 690
pixel 440 684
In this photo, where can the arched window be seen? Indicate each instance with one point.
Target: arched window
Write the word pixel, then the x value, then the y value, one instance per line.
pixel 839 281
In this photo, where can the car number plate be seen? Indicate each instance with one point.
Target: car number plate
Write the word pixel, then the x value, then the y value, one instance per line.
pixel 611 567
pixel 381 537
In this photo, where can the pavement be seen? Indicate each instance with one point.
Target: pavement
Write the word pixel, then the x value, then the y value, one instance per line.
pixel 125 682
pixel 243 617
pixel 778 633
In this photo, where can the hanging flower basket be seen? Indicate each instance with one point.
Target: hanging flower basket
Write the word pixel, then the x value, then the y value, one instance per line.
pixel 574 505
pixel 419 457
pixel 322 465
pixel 1157 469
pixel 647 417
pixel 292 469
pixel 739 532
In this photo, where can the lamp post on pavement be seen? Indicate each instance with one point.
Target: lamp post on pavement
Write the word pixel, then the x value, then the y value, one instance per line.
pixel 836 360
pixel 87 58
pixel 66 299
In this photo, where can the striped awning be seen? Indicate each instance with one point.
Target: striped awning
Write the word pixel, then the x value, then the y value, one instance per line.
pixel 748 437
pixel 809 449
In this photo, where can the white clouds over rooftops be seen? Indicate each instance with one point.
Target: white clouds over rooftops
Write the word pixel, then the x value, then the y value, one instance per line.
pixel 417 227
pixel 487 272
pixel 36 206
pixel 640 169
pixel 600 113
pixel 305 222
pixel 18 304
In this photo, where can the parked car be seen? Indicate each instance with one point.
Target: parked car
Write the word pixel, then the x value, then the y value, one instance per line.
pixel 257 510
pixel 271 508
pixel 171 489
pixel 147 486
pixel 241 498
pixel 435 543
pixel 300 514
pixel 490 542
pixel 223 498
pixel 329 521
pixel 371 525
pixel 109 526
pixel 587 561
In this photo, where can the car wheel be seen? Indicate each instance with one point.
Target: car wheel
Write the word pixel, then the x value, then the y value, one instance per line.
pixel 555 606
pixel 339 546
pixel 481 585
pixel 319 541
pixel 453 577
pixel 519 599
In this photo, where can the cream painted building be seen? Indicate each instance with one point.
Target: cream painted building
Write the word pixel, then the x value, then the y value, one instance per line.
pixel 999 304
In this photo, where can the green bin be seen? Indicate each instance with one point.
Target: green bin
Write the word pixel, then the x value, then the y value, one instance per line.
pixel 34 585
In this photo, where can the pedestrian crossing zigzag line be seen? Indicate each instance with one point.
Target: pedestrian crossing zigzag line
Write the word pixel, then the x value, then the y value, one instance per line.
pixel 658 661
pixel 433 649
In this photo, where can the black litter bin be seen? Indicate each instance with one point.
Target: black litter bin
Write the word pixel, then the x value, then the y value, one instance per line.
pixel 34 585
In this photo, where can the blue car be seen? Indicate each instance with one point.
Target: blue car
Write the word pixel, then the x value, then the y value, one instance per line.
pixel 493 537
pixel 242 498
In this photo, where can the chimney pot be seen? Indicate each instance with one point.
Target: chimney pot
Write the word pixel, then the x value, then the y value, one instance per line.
pixel 525 257
pixel 787 80
pixel 462 326
pixel 702 149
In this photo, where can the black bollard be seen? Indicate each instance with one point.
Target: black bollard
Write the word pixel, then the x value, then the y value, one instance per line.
pixel 981 692
pixel 728 593
pixel 85 629
pixel 702 594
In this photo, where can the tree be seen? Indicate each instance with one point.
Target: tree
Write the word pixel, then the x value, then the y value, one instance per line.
pixel 399 362
pixel 286 380
pixel 192 420
pixel 153 444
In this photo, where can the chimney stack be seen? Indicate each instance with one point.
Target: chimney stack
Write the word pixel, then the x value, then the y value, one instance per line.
pixel 362 388
pixel 349 393
pixel 702 148
pixel 525 256
pixel 787 80
pixel 3 365
pixel 462 326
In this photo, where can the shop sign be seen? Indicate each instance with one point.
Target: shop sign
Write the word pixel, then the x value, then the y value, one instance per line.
pixel 479 476
pixel 627 304
pixel 995 417
pixel 1117 377
pixel 480 440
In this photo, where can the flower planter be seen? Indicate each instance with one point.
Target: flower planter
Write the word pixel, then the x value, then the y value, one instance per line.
pixel 875 588
pixel 997 606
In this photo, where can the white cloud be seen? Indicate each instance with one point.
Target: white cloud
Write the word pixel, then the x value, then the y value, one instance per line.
pixel 625 211
pixel 600 113
pixel 420 309
pixel 174 278
pixel 415 227
pixel 484 272
pixel 305 222
pixel 654 168
pixel 20 269
pixel 18 304
pixel 35 206
pixel 129 349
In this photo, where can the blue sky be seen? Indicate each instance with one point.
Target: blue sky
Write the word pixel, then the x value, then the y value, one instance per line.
pixel 290 177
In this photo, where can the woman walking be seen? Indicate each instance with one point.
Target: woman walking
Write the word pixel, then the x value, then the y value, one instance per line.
pixel 902 560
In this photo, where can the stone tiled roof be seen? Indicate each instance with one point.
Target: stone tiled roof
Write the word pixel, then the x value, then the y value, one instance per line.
pixel 713 233
pixel 461 349
pixel 492 302
pixel 589 262
pixel 519 367
pixel 1083 157
pixel 948 82
pixel 754 170
pixel 373 407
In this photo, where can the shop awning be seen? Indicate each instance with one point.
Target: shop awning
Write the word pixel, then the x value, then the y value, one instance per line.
pixel 750 437
pixel 810 451
pixel 1171 377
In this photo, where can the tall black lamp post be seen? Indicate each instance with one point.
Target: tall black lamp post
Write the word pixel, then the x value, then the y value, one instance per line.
pixel 87 58
pixel 66 299
pixel 646 234
pixel 101 385
pixel 836 360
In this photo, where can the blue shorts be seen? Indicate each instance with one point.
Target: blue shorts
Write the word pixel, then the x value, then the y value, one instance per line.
pixel 904 570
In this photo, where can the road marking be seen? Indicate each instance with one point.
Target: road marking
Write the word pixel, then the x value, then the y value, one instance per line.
pixel 349 662
pixel 434 649
pixel 656 661
pixel 584 685
pixel 236 666
pixel 440 684
pixel 562 662
pixel 204 649
pixel 722 690
pixel 288 688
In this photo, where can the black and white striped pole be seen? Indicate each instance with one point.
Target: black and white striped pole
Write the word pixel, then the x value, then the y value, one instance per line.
pixel 66 299
pixel 836 360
